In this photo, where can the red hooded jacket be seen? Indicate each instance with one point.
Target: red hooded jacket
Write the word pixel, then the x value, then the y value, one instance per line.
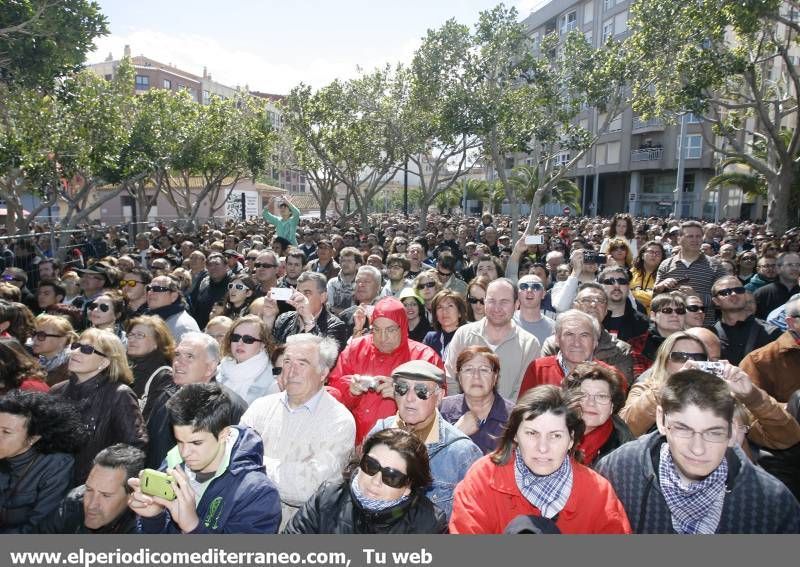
pixel 361 356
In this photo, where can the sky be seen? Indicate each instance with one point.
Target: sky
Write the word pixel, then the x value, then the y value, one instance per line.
pixel 272 46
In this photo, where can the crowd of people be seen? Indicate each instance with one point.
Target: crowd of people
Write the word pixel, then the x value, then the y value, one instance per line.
pixel 623 375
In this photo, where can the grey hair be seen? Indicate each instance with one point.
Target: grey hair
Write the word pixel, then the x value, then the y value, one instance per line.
pixel 328 348
pixel 573 314
pixel 793 306
pixel 373 271
pixel 552 254
pixel 210 343
pixel 319 279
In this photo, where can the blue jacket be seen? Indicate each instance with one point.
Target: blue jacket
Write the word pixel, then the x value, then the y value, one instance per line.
pixel 450 458
pixel 241 499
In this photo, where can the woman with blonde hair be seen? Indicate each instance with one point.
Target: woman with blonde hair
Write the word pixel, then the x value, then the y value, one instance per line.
pixel 620 254
pixel 427 285
pixel 246 368
pixel 99 387
pixel 51 341
pixel 151 350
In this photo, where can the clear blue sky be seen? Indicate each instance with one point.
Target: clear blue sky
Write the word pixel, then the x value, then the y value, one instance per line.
pixel 271 46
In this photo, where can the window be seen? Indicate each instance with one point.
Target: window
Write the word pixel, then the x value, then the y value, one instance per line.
pixel 694 146
pixel 688 182
pixel 167 84
pixel 612 150
pixel 509 163
pixel 691 118
pixel 588 36
pixel 108 77
pixel 608 29
pixel 569 21
pixel 562 159
pixel 588 12
pixel 616 124
pixel 600 155
pixel 648 184
pixel 608 4
pixel 620 23
pixel 142 82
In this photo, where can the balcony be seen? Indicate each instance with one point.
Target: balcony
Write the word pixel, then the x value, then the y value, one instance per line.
pixel 647 154
pixel 638 125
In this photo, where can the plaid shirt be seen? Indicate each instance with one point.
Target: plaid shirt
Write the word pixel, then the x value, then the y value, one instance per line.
pixel 547 493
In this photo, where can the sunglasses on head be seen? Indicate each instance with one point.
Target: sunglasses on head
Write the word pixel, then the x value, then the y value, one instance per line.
pixel 129 283
pixel 158 288
pixel 392 478
pixel 474 300
pixel 671 310
pixel 421 390
pixel 695 308
pixel 264 265
pixel 239 286
pixel 612 281
pixel 104 307
pixel 428 285
pixel 681 357
pixel 730 291
pixel 86 349
pixel 246 339
pixel 525 286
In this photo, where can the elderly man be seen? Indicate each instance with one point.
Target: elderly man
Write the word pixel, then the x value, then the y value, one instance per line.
pixel 362 372
pixel 210 289
pixel 308 435
pixel 497 330
pixel 418 391
pixel 592 299
pixel 164 299
pixel 310 315
pixel 529 315
pixel 100 506
pixel 367 291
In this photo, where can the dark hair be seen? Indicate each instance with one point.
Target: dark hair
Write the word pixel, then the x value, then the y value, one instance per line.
pixel 57 421
pixel 20 317
pixel 482 283
pixel 69 312
pixel 456 298
pixel 122 456
pixel 535 402
pixel 628 229
pixel 143 273
pixel 594 371
pixel 448 262
pixel 205 407
pixel 296 253
pixel 593 285
pixel 117 303
pixel 408 446
pixel 638 262
pixel 398 259
pixel 476 350
pixel 16 364
pixel 267 341
pixel 230 309
pixel 699 388
pixel 58 287
pixel 663 299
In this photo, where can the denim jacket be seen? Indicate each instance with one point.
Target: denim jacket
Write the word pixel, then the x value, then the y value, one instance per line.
pixel 450 458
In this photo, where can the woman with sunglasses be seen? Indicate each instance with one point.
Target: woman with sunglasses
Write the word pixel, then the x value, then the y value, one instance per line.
pixel 241 293
pixel 644 272
pixel 534 471
pixel 601 397
pixel 418 325
pixel 479 411
pixel 746 266
pixel 476 297
pixel 382 493
pixel 18 369
pixel 427 285
pixel 667 316
pixel 619 254
pixel 40 436
pixel 245 367
pixel 106 311
pixel 99 387
pixel 51 342
pixel 151 350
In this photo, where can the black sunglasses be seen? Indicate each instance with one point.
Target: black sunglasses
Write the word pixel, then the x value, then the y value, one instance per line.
pixel 671 310
pixel 389 476
pixel 681 357
pixel 276 370
pixel 263 265
pixel 42 336
pixel 612 281
pixel 730 291
pixel 246 339
pixel 87 349
pixel 530 286
pixel 474 300
pixel 158 288
pixel 104 307
pixel 695 308
pixel 428 285
pixel 421 390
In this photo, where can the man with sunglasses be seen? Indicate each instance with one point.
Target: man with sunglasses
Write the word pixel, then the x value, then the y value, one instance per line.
pixel 738 330
pixel 529 315
pixel 165 300
pixel 418 390
pixel 133 285
pixel 775 294
pixel 685 478
pixel 625 319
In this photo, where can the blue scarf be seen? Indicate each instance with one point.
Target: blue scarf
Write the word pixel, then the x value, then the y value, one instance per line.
pixel 549 494
pixel 697 508
pixel 372 504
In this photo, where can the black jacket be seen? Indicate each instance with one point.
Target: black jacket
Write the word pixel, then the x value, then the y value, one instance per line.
pixel 327 325
pixel 334 510
pixel 68 518
pixel 111 414
pixel 31 486
pixel 620 435
pixel 632 324
pixel 203 296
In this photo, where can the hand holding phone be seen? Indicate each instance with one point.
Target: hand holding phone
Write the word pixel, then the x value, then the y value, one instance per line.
pixel 534 239
pixel 157 483
pixel 281 293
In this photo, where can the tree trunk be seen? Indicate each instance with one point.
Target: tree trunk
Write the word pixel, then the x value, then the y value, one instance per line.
pixel 778 196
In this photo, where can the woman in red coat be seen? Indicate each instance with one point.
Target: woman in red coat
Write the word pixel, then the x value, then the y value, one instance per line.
pixel 533 473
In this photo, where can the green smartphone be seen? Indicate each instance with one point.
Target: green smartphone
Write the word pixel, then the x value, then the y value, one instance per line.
pixel 156 483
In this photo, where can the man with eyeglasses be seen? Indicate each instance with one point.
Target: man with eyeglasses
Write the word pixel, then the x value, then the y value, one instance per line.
pixel 321 430
pixel 529 315
pixel 133 285
pixel 165 300
pixel 211 289
pixel 396 269
pixel 775 294
pixel 418 389
pixel 685 478
pixel 738 330
pixel 625 319
pixel 765 273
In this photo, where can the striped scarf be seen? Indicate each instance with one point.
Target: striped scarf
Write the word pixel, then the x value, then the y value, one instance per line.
pixel 697 508
pixel 372 504
pixel 549 494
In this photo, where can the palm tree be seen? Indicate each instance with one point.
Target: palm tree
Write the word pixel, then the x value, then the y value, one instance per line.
pixel 525 180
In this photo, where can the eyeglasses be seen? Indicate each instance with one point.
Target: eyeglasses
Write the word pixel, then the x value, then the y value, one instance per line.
pixel 681 357
pixel 401 243
pixel 695 308
pixel 392 478
pixel 428 285
pixel 137 336
pixel 653 252
pixel 129 283
pixel 86 349
pixel 791 264
pixel 530 286
pixel 474 300
pixel 42 336
pixel 276 370
pixel 612 281
pixel 246 339
pixel 482 370
pixel 104 307
pixel 264 265
pixel 393 266
pixel 158 288
pixel 421 390
pixel 597 399
pixel 671 310
pixel 730 291
pixel 239 286
pixel 712 435
pixel 587 301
